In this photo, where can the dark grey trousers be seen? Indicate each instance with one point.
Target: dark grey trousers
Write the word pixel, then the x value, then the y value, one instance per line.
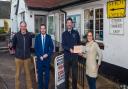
pixel 71 63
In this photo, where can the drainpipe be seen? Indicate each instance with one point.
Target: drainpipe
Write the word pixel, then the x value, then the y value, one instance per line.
pixel 17 7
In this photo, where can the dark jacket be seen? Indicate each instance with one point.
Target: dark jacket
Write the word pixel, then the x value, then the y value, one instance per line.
pixel 48 49
pixel 22 45
pixel 69 40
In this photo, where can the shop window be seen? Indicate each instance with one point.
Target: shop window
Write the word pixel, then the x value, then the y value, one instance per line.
pixel 93 21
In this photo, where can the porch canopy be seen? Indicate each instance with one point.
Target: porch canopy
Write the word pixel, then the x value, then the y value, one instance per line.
pixel 49 5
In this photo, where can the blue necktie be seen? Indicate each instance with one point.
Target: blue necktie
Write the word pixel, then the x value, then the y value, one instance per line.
pixel 43 44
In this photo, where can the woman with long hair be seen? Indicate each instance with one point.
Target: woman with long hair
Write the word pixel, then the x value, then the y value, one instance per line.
pixel 92 52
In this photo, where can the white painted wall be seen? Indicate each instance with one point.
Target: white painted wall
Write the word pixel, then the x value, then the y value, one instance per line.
pixel 22 8
pixel 116 46
pixel 15 20
pixel 13 17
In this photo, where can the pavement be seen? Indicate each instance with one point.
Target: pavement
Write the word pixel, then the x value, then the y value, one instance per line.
pixel 7 72
pixel 7 69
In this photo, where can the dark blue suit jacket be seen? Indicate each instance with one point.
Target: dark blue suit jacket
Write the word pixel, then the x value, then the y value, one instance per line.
pixel 69 41
pixel 48 47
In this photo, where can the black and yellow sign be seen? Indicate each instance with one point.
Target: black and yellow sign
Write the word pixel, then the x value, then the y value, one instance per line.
pixel 116 9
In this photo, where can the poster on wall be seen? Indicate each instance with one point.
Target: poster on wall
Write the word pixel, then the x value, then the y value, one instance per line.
pixel 76 20
pixel 116 26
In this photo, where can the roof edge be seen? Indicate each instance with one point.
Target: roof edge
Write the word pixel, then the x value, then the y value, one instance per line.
pixel 62 6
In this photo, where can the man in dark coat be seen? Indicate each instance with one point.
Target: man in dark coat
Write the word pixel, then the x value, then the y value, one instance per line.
pixel 22 42
pixel 70 38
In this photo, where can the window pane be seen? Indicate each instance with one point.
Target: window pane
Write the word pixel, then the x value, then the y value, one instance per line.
pixel 101 24
pixel 91 14
pixel 101 13
pixel 97 36
pixel 97 13
pixel 97 25
pixel 101 35
pixel 50 25
pixel 91 25
pixel 88 20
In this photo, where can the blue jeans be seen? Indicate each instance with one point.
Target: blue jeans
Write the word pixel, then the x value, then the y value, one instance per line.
pixel 91 82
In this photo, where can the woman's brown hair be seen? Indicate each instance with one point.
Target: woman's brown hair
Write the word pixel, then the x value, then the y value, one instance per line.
pixel 91 33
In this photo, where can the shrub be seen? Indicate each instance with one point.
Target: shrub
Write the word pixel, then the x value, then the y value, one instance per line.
pixel 2 30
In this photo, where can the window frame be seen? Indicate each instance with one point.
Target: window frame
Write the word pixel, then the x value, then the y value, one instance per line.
pixel 94 20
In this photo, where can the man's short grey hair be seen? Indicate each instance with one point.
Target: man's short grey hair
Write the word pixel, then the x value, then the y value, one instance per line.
pixel 23 22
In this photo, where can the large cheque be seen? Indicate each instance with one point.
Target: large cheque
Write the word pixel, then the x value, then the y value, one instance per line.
pixel 79 49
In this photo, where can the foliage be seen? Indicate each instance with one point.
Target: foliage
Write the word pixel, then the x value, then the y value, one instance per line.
pixel 2 30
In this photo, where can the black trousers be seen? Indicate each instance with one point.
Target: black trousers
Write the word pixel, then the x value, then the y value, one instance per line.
pixel 71 62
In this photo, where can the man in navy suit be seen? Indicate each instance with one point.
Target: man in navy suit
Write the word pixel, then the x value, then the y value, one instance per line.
pixel 43 49
pixel 70 38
